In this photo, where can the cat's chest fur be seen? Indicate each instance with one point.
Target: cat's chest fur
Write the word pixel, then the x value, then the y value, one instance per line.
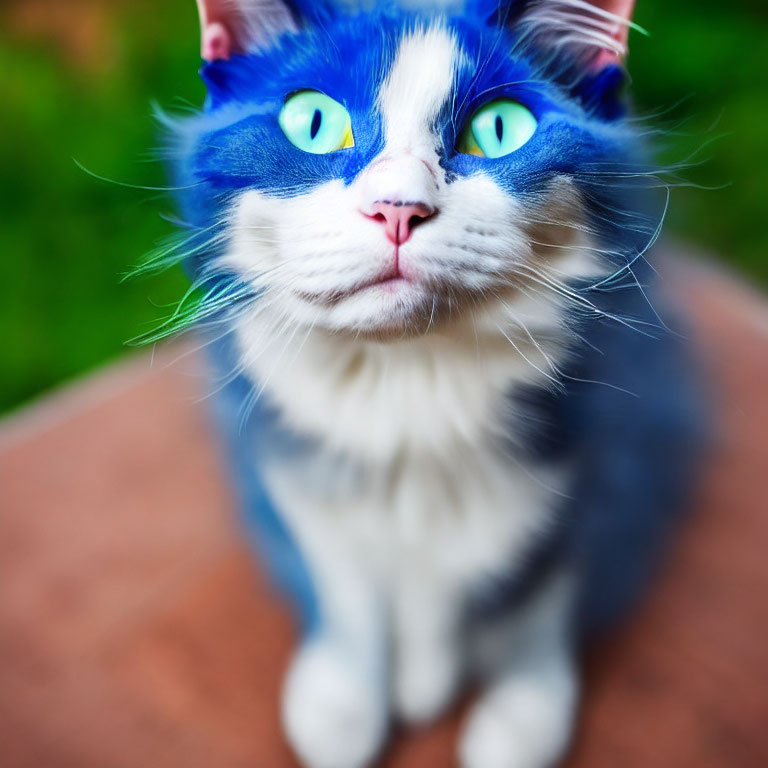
pixel 410 461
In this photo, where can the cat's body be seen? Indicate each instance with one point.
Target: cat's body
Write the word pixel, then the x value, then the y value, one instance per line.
pixel 460 430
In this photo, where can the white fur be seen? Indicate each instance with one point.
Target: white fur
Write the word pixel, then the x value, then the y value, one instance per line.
pixel 333 718
pixel 416 88
pixel 580 23
pixel 525 718
pixel 429 664
pixel 412 496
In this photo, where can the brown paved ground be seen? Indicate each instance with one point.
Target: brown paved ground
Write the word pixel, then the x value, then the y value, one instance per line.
pixel 133 632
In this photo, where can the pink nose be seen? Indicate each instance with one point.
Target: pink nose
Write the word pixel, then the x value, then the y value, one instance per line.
pixel 400 218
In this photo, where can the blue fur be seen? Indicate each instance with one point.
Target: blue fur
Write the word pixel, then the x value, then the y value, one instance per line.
pixel 632 434
pixel 244 448
pixel 629 412
pixel 253 152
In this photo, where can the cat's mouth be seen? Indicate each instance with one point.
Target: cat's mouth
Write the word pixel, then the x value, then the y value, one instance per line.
pixel 389 282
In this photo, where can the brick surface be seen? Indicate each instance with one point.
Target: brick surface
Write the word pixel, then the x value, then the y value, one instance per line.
pixel 136 631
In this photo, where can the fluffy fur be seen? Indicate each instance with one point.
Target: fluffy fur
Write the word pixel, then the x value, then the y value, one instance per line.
pixel 460 454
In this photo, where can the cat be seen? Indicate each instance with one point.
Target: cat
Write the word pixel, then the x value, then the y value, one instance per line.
pixel 460 426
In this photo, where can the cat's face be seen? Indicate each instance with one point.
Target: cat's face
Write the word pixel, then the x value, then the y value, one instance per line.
pixel 383 175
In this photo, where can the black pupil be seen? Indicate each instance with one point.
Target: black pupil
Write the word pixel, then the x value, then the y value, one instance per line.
pixel 317 119
pixel 499 127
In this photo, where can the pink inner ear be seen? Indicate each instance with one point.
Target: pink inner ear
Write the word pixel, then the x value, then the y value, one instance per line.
pixel 221 23
pixel 605 59
pixel 623 9
pixel 217 43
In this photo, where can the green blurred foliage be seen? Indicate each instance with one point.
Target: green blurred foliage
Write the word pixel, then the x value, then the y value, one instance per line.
pixel 68 238
pixel 706 62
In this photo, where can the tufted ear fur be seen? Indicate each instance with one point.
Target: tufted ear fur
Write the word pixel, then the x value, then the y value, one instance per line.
pixel 237 26
pixel 596 29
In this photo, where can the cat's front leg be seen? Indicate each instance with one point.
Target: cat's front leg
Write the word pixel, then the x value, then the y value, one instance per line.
pixel 335 698
pixel 525 717
pixel 428 658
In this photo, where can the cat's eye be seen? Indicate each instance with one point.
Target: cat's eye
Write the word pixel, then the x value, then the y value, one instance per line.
pixel 498 128
pixel 316 123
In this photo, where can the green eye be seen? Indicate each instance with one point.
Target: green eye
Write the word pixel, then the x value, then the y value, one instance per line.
pixel 497 129
pixel 316 123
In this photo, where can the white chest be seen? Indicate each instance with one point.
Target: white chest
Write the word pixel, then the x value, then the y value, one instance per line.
pixel 459 521
pixel 410 469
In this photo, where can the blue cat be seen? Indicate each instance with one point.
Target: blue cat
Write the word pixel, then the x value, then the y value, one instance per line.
pixel 459 423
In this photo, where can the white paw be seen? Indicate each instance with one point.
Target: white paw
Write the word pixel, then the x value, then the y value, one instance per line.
pixel 333 717
pixel 425 685
pixel 521 724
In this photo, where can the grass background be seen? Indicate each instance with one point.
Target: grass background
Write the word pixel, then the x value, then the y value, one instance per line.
pixel 79 77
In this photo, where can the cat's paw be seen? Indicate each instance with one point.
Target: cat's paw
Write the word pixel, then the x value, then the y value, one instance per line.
pixel 518 725
pixel 425 685
pixel 333 718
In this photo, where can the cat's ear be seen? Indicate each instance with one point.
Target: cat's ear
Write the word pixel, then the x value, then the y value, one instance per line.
pixel 597 30
pixel 237 26
pixel 622 12
pixel 582 44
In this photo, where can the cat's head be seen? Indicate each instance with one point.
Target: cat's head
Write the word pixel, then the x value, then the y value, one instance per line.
pixel 383 171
